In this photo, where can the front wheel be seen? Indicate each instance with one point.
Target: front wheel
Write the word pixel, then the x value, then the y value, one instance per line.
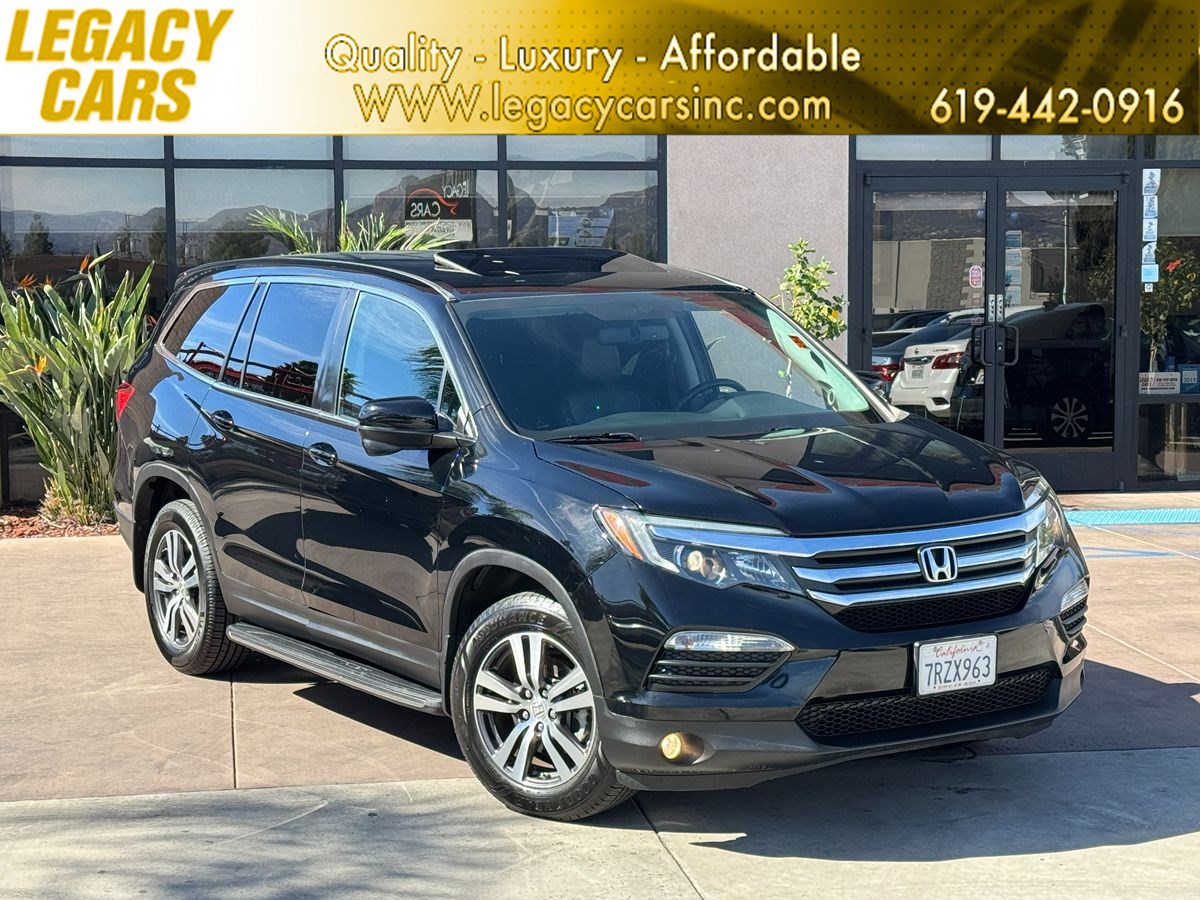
pixel 525 712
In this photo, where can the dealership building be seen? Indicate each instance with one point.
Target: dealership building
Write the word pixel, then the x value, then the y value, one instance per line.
pixel 1038 292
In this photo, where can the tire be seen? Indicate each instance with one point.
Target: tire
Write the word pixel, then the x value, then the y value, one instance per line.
pixel 536 752
pixel 187 614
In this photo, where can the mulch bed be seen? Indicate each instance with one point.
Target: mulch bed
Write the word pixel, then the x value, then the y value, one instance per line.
pixel 25 520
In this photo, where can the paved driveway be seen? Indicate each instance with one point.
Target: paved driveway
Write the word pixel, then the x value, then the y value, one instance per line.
pixel 1107 801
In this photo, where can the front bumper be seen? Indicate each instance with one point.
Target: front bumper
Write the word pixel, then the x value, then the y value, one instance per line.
pixel 755 735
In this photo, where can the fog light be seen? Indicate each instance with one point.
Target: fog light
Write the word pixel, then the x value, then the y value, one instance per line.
pixel 1077 592
pixel 680 748
pixel 727 642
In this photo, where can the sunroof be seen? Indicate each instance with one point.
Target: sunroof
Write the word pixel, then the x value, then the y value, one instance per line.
pixel 524 261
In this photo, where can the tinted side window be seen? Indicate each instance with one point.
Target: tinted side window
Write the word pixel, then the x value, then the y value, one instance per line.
pixel 390 352
pixel 287 342
pixel 201 334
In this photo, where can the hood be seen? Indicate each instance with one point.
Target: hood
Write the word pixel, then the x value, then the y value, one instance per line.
pixel 853 478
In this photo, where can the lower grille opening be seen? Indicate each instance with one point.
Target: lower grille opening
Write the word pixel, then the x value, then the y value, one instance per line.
pixel 923 613
pixel 692 670
pixel 833 719
pixel 1074 618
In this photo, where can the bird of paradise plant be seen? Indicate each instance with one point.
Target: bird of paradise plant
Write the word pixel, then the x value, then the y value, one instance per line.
pixel 62 355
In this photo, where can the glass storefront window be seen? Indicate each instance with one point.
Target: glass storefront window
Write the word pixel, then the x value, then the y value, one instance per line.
pixel 1169 313
pixel 1169 442
pixel 254 147
pixel 387 147
pixel 463 203
pixel 213 207
pixel 583 148
pixel 1173 146
pixel 1065 146
pixel 83 147
pixel 572 208
pixel 24 480
pixel 924 147
pixel 50 218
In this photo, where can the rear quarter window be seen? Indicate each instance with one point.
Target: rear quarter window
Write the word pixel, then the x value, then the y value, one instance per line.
pixel 200 335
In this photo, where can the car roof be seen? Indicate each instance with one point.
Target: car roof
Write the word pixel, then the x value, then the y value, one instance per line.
pixel 479 273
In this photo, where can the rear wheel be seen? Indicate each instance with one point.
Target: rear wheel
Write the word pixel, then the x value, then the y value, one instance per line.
pixel 525 712
pixel 183 599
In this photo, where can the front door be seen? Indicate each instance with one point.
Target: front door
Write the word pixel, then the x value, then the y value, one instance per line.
pixel 995 309
pixel 371 523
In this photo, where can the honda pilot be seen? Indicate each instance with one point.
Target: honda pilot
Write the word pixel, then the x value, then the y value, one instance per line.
pixel 625 524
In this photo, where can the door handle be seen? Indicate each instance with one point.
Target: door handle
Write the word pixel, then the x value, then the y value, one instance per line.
pixel 1002 345
pixel 222 419
pixel 323 454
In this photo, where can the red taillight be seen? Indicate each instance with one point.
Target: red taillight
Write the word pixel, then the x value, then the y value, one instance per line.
pixel 124 395
pixel 886 372
pixel 947 361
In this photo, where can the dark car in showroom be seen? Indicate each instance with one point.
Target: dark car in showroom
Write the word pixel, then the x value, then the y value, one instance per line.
pixel 624 523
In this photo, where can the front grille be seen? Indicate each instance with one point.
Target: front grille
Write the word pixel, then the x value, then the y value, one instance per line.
pixel 1074 618
pixel 945 610
pixel 834 719
pixel 876 583
pixel 692 670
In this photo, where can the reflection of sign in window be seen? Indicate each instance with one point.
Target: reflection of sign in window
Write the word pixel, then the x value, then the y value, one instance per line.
pixel 573 227
pixel 446 199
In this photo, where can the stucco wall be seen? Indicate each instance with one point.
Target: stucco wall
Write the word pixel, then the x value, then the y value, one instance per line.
pixel 734 203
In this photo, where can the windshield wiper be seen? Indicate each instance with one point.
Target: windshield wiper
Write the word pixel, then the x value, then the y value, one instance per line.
pixel 599 437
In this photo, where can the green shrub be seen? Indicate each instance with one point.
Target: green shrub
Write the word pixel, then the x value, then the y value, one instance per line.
pixel 804 291
pixel 62 356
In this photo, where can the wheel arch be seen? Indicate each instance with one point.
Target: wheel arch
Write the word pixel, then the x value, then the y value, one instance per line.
pixel 157 485
pixel 536 575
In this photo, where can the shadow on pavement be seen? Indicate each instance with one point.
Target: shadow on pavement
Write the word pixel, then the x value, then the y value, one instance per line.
pixel 954 804
pixel 432 732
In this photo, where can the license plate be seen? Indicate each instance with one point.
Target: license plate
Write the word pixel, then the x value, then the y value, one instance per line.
pixel 917 371
pixel 955 665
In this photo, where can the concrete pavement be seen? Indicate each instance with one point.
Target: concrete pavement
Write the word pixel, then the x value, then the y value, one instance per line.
pixel 1105 802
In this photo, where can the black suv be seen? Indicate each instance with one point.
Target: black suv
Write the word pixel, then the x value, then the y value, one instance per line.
pixel 625 523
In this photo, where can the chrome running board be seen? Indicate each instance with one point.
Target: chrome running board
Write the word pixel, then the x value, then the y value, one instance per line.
pixel 328 664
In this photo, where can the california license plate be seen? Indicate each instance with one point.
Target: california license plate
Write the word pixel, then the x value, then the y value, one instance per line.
pixel 955 665
pixel 917 371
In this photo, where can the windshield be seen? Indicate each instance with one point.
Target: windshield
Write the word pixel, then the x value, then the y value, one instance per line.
pixel 670 364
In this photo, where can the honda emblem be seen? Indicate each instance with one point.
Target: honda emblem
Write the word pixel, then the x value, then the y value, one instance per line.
pixel 938 563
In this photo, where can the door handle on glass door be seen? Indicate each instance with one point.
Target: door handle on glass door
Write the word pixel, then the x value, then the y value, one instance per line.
pixel 323 454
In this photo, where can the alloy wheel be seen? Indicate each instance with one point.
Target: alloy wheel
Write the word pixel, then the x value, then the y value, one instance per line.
pixel 1069 417
pixel 176 590
pixel 534 710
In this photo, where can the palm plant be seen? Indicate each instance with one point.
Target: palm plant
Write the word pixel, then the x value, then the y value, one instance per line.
pixel 62 356
pixel 372 232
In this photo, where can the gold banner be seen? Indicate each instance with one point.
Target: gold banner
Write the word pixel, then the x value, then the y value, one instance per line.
pixel 364 67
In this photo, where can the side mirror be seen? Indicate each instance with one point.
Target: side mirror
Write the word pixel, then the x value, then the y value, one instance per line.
pixel 401 423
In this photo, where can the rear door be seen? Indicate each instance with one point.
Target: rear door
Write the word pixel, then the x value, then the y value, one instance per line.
pixel 253 429
pixel 371 522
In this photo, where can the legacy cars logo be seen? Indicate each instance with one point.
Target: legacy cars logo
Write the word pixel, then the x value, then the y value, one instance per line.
pixel 134 66
pixel 938 563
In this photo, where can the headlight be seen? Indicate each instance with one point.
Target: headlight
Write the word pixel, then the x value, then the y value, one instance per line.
pixel 704 559
pixel 1051 533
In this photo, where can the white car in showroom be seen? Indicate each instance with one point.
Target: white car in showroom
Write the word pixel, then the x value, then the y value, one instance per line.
pixel 1060 383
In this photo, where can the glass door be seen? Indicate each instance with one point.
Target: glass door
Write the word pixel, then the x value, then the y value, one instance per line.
pixel 994 306
pixel 1060 292
pixel 928 290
